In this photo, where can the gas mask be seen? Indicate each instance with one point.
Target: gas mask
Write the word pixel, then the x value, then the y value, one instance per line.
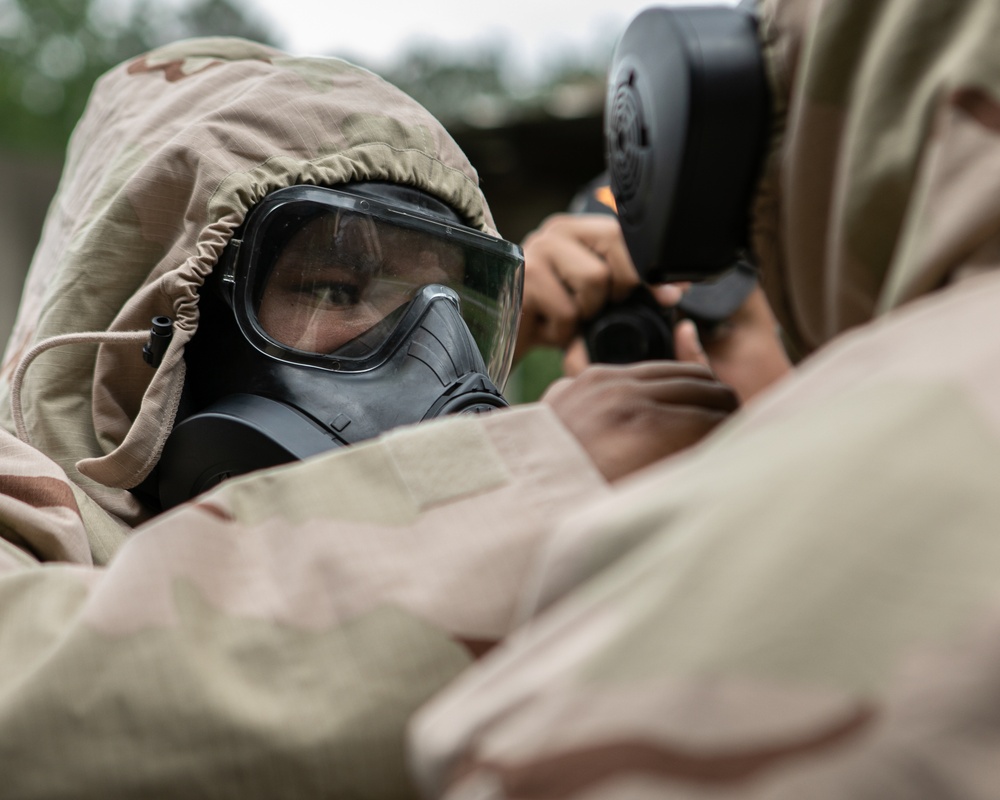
pixel 335 315
pixel 687 121
pixel 687 118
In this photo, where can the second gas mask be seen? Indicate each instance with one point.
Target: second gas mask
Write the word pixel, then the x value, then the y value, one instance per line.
pixel 687 121
pixel 333 316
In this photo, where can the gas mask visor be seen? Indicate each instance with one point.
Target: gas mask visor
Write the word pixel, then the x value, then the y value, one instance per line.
pixel 327 278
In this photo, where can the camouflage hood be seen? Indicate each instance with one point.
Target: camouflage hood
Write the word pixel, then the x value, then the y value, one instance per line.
pixel 859 212
pixel 172 151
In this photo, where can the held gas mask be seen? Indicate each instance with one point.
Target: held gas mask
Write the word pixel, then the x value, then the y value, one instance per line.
pixel 686 126
pixel 335 315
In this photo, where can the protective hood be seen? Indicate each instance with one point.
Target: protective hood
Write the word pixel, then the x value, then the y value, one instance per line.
pixel 863 206
pixel 172 151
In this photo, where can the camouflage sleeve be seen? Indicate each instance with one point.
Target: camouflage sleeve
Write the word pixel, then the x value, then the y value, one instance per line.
pixel 748 611
pixel 272 639
pixel 739 623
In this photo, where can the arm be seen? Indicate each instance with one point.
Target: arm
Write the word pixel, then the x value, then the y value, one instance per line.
pixel 274 637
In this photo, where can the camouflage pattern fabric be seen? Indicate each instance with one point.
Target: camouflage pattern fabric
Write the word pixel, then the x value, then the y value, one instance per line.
pixel 271 639
pixel 172 151
pixel 806 604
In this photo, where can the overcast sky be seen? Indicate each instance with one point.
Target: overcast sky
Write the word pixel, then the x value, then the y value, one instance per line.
pixel 532 30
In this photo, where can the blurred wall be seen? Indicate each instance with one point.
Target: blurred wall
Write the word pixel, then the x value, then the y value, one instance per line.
pixel 533 167
pixel 28 186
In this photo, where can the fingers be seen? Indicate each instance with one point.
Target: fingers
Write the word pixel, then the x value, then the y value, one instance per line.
pixel 650 370
pixel 574 265
pixel 668 294
pixel 579 258
pixel 602 234
pixel 550 314
pixel 667 383
pixel 694 392
pixel 629 416
pixel 576 358
pixel 586 276
pixel 577 251
pixel 687 345
pixel 555 389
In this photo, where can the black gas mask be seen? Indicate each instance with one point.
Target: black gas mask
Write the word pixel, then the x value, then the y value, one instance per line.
pixel 335 315
pixel 686 127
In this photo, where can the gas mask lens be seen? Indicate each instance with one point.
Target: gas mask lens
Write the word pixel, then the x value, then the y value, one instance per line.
pixel 329 278
pixel 341 274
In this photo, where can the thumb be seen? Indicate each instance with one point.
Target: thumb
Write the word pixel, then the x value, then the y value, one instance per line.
pixel 576 359
pixel 687 344
pixel 668 294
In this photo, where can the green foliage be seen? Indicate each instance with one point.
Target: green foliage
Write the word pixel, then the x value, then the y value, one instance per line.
pixel 537 370
pixel 452 86
pixel 52 51
pixel 478 87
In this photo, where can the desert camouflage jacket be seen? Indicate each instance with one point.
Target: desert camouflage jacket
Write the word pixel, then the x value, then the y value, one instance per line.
pixel 808 603
pixel 272 639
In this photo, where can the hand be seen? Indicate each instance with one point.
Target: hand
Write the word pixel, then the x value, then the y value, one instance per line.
pixel 627 417
pixel 574 264
pixel 745 351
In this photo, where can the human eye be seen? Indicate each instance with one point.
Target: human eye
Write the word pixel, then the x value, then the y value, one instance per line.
pixel 338 286
pixel 336 294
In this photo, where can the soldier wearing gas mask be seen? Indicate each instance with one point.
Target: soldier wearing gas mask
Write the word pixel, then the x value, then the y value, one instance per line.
pixel 337 314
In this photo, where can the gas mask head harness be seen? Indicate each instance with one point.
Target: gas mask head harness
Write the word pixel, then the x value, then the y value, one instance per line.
pixel 333 316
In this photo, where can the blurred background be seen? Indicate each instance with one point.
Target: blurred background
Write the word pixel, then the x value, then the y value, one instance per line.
pixel 519 84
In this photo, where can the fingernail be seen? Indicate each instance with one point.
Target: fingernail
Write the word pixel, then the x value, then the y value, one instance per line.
pixel 668 294
pixel 686 328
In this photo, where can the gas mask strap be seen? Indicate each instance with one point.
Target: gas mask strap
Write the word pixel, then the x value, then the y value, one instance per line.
pixel 96 337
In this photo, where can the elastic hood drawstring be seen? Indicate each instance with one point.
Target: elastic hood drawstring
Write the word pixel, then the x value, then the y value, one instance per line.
pixel 97 337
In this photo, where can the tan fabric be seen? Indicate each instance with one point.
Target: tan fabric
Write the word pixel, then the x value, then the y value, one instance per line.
pixel 796 608
pixel 272 639
pixel 887 109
